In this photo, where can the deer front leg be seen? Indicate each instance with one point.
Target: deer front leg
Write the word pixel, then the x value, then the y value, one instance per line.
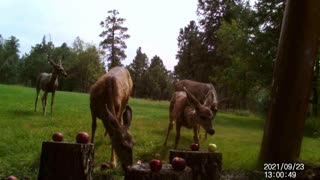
pixel 93 126
pixel 35 105
pixel 196 130
pixel 178 128
pixel 44 102
pixel 52 99
pixel 113 158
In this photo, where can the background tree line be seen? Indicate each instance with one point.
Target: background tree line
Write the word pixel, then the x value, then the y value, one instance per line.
pixel 232 45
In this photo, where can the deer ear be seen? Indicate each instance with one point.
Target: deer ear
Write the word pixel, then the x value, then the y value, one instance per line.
pixel 208 101
pixel 127 116
pixel 191 99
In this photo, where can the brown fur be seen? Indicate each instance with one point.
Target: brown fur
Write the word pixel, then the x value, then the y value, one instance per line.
pixel 108 99
pixel 186 110
pixel 49 83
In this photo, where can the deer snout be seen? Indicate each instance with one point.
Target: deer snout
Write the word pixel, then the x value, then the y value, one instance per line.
pixel 211 131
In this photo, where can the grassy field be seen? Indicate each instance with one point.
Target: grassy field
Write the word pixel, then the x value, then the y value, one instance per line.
pixel 23 131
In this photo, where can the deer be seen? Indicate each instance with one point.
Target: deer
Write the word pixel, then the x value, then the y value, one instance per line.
pixel 109 98
pixel 199 90
pixel 48 82
pixel 187 111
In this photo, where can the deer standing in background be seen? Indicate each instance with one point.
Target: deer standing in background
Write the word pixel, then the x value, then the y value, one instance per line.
pixel 49 83
pixel 199 90
pixel 109 97
pixel 187 111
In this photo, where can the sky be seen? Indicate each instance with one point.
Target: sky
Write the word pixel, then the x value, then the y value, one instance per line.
pixel 152 24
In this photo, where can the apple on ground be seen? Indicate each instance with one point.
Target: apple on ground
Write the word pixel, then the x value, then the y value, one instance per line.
pixel 105 166
pixel 11 178
pixel 83 137
pixel 57 137
pixel 178 163
pixel 212 147
pixel 155 165
pixel 195 147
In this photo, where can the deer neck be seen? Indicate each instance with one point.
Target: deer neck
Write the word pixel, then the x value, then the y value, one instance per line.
pixel 53 78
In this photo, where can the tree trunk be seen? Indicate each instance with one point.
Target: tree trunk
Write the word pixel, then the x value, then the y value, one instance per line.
pixel 291 86
pixel 143 172
pixel 66 161
pixel 205 165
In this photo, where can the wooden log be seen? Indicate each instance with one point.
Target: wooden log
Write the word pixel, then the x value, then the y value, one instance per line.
pixel 143 172
pixel 205 165
pixel 61 160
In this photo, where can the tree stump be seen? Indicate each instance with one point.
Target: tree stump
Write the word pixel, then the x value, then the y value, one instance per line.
pixel 143 172
pixel 61 160
pixel 205 165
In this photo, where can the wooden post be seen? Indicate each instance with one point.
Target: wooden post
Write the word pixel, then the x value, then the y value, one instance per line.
pixel 67 161
pixel 291 84
pixel 143 172
pixel 205 165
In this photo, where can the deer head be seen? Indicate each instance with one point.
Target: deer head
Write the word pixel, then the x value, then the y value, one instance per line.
pixel 57 68
pixel 201 113
pixel 121 138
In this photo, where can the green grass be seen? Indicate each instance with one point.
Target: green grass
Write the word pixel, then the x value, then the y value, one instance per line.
pixel 22 132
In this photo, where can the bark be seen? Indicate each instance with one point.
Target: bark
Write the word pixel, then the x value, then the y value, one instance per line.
pixel 143 172
pixel 291 86
pixel 205 165
pixel 66 161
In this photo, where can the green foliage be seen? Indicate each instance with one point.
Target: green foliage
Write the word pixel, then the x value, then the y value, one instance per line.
pixel 114 36
pixel 157 82
pixel 9 60
pixel 23 131
pixel 137 69
pixel 82 63
pixel 36 62
pixel 233 46
pixel 189 53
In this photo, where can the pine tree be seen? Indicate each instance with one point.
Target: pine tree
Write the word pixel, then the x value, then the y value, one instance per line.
pixel 114 36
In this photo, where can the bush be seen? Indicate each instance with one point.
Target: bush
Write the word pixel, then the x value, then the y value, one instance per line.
pixel 312 127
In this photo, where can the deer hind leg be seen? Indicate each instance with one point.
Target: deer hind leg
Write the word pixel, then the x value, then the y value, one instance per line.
pixel 52 99
pixel 169 129
pixel 93 126
pixel 44 102
pixel 178 128
pixel 35 104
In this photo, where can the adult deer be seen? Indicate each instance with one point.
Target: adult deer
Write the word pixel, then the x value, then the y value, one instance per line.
pixel 49 83
pixel 199 90
pixel 187 111
pixel 108 101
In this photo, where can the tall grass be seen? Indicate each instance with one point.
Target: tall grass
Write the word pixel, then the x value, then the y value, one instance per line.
pixel 238 137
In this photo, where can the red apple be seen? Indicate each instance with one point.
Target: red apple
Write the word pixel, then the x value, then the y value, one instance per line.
pixel 11 178
pixel 155 165
pixel 57 137
pixel 105 166
pixel 178 163
pixel 83 137
pixel 194 147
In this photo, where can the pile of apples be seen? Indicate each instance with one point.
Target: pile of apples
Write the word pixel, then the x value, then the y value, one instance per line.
pixel 211 147
pixel 82 137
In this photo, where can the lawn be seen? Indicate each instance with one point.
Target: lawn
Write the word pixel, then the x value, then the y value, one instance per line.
pixel 238 137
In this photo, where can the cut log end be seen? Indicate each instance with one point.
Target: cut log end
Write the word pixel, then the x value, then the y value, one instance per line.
pixel 205 165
